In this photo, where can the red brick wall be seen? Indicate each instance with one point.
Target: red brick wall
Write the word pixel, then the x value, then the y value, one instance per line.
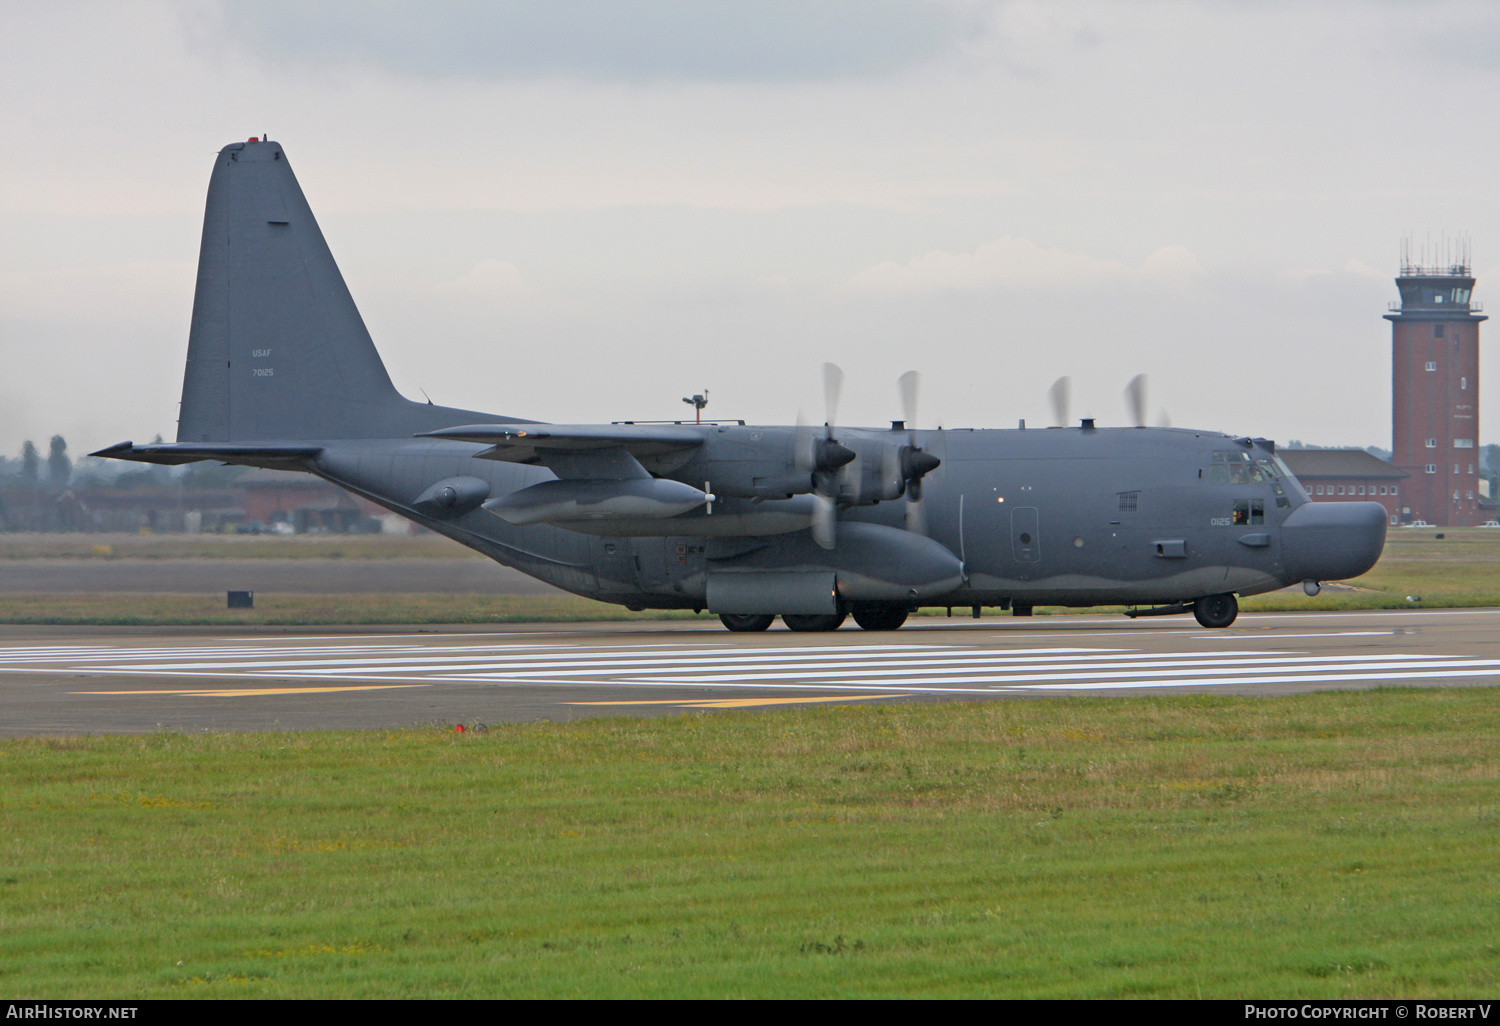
pixel 1442 405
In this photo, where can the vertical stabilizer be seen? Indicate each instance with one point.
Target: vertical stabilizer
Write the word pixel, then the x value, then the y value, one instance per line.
pixel 277 349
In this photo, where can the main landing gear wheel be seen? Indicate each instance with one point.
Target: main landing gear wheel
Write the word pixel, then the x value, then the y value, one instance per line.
pixel 812 621
pixel 879 618
pixel 1216 610
pixel 746 622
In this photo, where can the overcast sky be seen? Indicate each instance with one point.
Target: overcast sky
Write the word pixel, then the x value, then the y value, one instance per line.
pixel 583 210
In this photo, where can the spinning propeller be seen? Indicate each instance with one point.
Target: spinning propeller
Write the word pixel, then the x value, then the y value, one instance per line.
pixel 1058 393
pixel 915 462
pixel 823 458
pixel 830 463
pixel 1135 402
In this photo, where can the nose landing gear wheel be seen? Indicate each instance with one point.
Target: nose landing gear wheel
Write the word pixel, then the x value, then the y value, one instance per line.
pixel 812 621
pixel 1216 610
pixel 879 618
pixel 746 622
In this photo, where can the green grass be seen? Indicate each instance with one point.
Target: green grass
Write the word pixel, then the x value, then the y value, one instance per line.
pixel 364 608
pixel 1462 569
pixel 1329 845
pixel 230 546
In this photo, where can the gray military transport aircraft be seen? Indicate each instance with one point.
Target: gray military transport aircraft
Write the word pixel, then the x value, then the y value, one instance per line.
pixel 751 523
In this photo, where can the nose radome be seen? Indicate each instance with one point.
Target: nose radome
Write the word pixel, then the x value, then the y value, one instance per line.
pixel 1332 541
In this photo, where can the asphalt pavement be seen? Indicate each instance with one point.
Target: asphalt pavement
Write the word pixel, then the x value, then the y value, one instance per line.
pixel 77 680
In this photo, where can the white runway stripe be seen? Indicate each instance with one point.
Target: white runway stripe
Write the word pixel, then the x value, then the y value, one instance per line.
pixel 984 667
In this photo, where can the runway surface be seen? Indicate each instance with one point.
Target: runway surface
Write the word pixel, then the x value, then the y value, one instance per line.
pixel 69 680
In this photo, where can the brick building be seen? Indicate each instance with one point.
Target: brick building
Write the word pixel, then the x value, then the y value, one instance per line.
pixel 1435 392
pixel 1349 475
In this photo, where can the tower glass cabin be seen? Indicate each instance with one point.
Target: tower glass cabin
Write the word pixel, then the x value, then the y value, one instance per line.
pixel 1435 393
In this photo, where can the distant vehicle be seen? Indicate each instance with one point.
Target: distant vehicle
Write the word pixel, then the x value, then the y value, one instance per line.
pixel 1417 523
pixel 1490 523
pixel 747 521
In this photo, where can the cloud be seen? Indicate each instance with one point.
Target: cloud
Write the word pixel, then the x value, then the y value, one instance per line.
pixel 490 280
pixel 91 293
pixel 733 40
pixel 1012 262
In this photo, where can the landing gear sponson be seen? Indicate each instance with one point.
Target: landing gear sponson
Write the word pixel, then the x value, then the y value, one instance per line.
pixel 1211 611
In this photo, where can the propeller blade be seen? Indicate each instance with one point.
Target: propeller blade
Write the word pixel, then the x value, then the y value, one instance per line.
pixel 833 384
pixel 1058 393
pixel 1135 400
pixel 804 446
pixel 1164 420
pixel 916 516
pixel 891 478
pixel 823 520
pixel 907 384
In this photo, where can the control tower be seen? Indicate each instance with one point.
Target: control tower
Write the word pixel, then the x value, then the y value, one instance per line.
pixel 1435 388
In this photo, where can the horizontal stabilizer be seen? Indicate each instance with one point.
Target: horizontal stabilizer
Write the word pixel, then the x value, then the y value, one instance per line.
pixel 275 457
pixel 519 443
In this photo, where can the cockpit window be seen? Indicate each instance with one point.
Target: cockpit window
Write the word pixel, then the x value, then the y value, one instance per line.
pixel 1241 468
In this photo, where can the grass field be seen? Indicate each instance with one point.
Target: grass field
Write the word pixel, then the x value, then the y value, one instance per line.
pixel 1462 569
pixel 22 545
pixel 1325 845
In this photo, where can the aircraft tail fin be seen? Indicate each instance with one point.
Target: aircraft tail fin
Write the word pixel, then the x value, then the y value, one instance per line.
pixel 278 349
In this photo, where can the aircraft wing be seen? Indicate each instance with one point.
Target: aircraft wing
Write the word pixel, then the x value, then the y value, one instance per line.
pixel 264 454
pixel 535 443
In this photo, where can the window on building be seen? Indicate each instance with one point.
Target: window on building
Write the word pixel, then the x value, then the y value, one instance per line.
pixel 1431 468
pixel 1432 443
pixel 1463 384
pixel 1393 489
pixel 1341 489
pixel 1432 365
pixel 1471 495
pixel 1455 468
pixel 1320 489
pixel 1471 468
pixel 1463 443
pixel 1382 489
pixel 1437 329
pixel 1455 495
